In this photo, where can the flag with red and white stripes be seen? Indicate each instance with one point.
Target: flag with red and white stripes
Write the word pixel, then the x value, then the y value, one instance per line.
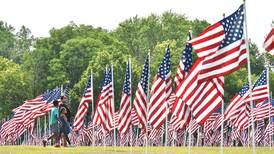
pixel 105 106
pixel 160 91
pixel 243 118
pixel 262 110
pixel 236 103
pixel 193 126
pixel 125 111
pixel 222 46
pixel 269 42
pixel 260 89
pixel 141 99
pixel 185 63
pixel 180 115
pixel 180 112
pixel 83 106
pixel 202 98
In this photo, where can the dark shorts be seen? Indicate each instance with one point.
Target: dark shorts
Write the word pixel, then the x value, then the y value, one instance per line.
pixel 54 128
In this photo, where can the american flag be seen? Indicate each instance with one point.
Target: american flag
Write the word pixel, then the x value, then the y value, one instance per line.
pixel 25 115
pixel 180 112
pixel 269 42
pixel 140 101
pixel 235 104
pixel 83 106
pixel 105 106
pixel 222 47
pixel 202 98
pixel 160 91
pixel 262 110
pixel 260 89
pixel 259 131
pixel 180 116
pixel 185 63
pixel 242 118
pixel 125 111
pixel 209 124
pixel 194 126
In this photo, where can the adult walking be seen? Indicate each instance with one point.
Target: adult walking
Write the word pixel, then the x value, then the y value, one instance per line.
pixel 65 128
pixel 54 125
pixel 67 115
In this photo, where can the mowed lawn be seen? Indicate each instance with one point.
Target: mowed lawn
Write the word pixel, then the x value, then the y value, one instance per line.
pixel 134 150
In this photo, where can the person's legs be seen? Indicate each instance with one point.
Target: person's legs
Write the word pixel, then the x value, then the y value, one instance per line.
pixel 67 138
pixel 64 140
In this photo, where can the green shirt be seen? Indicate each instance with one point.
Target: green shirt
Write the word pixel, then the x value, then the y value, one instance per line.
pixel 54 116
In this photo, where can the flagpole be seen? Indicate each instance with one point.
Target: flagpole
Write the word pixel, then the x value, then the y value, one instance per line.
pixel 222 129
pixel 105 119
pixel 113 107
pixel 189 133
pixel 92 107
pixel 249 78
pixel 147 102
pixel 45 125
pixel 271 142
pixel 130 102
pixel 222 117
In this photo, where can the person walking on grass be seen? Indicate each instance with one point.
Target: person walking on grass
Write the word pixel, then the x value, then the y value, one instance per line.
pixel 54 125
pixel 64 104
pixel 65 128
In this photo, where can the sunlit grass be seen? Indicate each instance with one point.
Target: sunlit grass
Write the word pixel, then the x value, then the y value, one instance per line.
pixel 135 150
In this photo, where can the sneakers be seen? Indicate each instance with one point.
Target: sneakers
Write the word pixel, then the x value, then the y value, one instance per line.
pixel 44 143
pixel 57 146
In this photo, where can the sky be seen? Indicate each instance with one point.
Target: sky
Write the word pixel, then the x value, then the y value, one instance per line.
pixel 42 15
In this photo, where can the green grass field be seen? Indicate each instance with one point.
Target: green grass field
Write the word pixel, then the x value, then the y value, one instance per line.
pixel 135 150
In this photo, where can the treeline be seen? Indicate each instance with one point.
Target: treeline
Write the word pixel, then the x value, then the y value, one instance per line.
pixel 29 66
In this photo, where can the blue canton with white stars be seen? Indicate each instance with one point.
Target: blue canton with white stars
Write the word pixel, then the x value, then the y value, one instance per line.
pixel 244 89
pixel 233 27
pixel 108 77
pixel 88 85
pixel 164 68
pixel 47 95
pixel 187 56
pixel 144 76
pixel 261 81
pixel 126 88
pixel 52 95
pixel 57 94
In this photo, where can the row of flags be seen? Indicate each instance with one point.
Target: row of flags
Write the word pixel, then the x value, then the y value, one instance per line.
pixel 221 50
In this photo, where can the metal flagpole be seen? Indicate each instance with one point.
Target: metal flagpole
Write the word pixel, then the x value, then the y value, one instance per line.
pixel 249 78
pixel 45 125
pixel 105 117
pixel 147 102
pixel 166 115
pixel 198 137
pixel 269 99
pixel 222 129
pixel 113 107
pixel 130 102
pixel 222 126
pixel 185 135
pixel 92 108
pixel 271 123
pixel 37 127
pixel 189 134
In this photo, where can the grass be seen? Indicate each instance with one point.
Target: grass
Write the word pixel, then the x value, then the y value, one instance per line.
pixel 124 150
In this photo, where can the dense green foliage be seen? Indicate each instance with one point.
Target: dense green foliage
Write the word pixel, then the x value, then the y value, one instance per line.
pixel 69 54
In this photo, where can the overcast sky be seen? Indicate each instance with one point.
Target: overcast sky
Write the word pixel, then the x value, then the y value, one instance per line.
pixel 42 15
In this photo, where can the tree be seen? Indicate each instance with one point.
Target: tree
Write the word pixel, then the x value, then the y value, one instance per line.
pixel 23 43
pixel 14 86
pixel 7 40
